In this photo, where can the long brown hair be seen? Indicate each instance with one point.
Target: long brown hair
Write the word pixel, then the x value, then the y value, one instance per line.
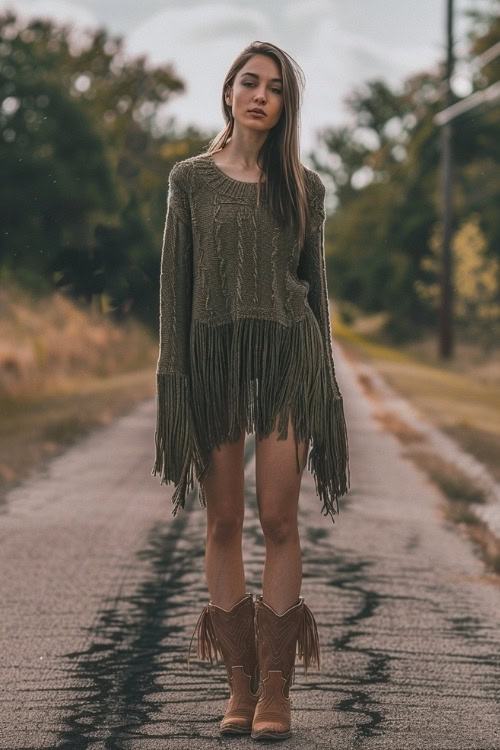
pixel 279 156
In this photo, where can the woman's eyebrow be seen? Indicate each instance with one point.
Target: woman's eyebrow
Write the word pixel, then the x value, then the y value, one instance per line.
pixel 247 73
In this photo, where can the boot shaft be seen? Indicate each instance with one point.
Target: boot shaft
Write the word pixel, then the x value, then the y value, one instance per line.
pixel 230 635
pixel 279 637
pixel 235 632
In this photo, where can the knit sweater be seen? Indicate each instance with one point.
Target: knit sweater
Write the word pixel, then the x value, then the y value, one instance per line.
pixel 245 335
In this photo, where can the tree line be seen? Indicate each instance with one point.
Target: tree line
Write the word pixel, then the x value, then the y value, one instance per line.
pixel 85 163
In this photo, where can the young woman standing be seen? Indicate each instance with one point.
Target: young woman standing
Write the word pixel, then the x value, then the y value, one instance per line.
pixel 245 345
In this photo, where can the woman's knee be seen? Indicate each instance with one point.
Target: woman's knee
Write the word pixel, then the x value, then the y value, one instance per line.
pixel 225 526
pixel 278 528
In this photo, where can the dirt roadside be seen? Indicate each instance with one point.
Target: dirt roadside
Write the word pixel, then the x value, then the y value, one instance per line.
pixel 448 424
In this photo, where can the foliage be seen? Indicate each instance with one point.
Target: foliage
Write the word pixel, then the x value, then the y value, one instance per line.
pixel 476 278
pixel 85 162
pixel 385 170
pixel 84 165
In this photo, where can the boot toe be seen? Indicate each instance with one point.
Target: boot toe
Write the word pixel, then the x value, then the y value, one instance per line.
pixel 237 721
pixel 272 717
pixel 236 726
pixel 270 728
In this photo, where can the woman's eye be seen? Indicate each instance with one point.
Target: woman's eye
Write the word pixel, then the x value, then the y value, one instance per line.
pixel 249 83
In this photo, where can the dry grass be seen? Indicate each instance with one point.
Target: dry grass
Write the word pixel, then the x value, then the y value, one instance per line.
pixel 47 344
pixel 64 371
pixel 456 484
pixel 460 397
pixel 461 494
pixel 37 428
pixel 478 442
pixel 392 423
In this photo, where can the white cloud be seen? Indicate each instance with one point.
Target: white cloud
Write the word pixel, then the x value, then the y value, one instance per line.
pixel 338 45
pixel 201 42
pixel 57 10
pixel 308 11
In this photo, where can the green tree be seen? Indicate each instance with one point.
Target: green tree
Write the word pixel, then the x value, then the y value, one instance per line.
pixel 385 173
pixel 84 164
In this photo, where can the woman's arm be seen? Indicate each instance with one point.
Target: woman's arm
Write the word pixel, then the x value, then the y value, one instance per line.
pixel 329 457
pixel 176 280
pixel 174 429
pixel 312 268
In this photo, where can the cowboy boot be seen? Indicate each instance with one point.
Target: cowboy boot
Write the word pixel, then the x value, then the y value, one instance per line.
pixel 232 633
pixel 277 639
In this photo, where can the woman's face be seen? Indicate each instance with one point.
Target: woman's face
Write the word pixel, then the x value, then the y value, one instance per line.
pixel 257 84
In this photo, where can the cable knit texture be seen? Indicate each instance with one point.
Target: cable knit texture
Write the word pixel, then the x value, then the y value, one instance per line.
pixel 245 336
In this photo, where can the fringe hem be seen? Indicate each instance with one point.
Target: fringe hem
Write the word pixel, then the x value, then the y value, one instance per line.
pixel 176 456
pixel 245 375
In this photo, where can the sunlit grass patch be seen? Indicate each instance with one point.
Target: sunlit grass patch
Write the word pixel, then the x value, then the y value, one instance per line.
pixel 461 495
pixel 461 397
pixel 455 483
pixel 392 423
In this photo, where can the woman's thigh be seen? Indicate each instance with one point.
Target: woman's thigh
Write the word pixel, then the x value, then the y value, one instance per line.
pixel 277 480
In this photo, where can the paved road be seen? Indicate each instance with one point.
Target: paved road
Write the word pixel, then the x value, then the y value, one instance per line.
pixel 101 589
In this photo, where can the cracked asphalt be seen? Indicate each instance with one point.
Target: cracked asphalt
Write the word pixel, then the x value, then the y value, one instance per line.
pixel 101 588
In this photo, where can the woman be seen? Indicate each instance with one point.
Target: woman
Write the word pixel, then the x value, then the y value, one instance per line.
pixel 245 345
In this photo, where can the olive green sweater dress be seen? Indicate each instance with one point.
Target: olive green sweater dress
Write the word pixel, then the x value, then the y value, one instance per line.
pixel 245 333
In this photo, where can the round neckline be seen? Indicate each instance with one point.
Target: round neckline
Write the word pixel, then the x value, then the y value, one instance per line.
pixel 227 177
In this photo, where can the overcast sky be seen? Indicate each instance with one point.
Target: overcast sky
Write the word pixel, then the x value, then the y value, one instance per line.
pixel 339 44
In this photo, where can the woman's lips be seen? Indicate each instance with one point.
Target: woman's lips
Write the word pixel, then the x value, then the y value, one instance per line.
pixel 257 114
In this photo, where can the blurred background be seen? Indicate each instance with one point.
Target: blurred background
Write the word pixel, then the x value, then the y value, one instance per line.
pixel 98 100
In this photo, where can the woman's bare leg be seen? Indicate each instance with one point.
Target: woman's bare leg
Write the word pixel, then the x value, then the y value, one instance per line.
pixel 278 489
pixel 224 492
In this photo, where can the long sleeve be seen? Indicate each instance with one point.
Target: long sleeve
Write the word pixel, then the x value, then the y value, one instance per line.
pixel 174 442
pixel 312 268
pixel 329 458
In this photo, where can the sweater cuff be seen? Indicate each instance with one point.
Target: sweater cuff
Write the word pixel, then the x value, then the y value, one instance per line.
pixel 174 435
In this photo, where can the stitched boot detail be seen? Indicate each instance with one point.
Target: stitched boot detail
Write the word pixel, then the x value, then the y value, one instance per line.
pixel 232 633
pixel 278 637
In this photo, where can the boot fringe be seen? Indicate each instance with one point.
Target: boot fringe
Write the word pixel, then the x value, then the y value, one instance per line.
pixel 208 647
pixel 308 640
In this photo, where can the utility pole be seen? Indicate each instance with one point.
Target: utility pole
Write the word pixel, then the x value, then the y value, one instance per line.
pixel 446 341
pixel 444 120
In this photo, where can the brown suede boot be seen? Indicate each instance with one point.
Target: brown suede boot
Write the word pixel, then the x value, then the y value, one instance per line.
pixel 277 639
pixel 232 634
